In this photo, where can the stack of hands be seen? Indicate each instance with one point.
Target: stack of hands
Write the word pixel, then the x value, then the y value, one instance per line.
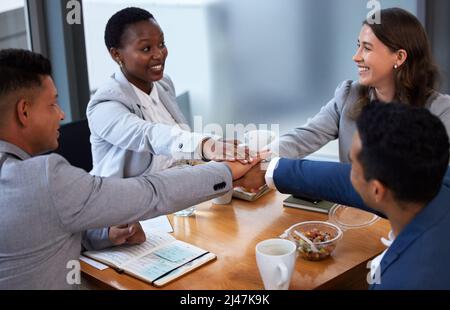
pixel 245 168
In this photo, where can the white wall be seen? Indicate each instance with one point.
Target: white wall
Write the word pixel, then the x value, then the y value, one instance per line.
pixel 8 5
pixel 185 32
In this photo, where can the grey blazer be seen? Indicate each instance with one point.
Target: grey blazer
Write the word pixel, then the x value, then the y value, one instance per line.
pixel 46 204
pixel 333 122
pixel 123 142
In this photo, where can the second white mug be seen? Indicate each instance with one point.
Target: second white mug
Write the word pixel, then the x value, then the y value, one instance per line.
pixel 276 261
pixel 223 200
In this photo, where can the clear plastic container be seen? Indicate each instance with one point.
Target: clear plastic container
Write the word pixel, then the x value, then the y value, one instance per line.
pixel 341 218
pixel 324 236
pixel 351 218
pixel 186 212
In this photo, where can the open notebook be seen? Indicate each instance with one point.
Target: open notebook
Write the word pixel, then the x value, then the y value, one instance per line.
pixel 159 260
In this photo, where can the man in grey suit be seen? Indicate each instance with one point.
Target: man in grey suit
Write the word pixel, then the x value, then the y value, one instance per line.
pixel 46 204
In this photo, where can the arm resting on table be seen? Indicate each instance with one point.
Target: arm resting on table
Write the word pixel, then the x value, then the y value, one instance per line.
pixel 324 180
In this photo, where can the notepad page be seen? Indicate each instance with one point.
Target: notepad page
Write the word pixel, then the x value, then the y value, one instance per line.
pixel 121 255
pixel 163 260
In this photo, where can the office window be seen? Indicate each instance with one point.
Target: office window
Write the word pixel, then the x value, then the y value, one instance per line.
pixel 261 62
pixel 13 33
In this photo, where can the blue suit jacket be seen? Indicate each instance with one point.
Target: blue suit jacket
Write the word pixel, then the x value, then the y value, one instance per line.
pixel 420 255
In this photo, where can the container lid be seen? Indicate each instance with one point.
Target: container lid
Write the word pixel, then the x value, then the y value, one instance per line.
pixel 350 218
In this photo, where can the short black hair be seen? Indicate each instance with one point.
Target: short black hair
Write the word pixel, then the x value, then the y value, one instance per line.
pixel 21 69
pixel 406 148
pixel 118 23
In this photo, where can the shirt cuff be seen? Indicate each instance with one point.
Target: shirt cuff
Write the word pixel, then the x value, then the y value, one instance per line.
pixel 188 145
pixel 269 173
pixel 96 239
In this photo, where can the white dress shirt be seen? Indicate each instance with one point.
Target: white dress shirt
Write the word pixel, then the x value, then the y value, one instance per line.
pixel 154 111
pixel 269 173
pixel 375 271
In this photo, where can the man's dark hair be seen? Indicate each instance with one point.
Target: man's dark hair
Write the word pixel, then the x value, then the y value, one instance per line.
pixel 21 69
pixel 406 148
pixel 119 22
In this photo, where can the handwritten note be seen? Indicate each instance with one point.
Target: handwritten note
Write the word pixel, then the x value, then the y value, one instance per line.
pixel 176 253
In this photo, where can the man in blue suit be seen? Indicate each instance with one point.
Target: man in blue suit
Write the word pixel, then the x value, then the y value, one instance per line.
pixel 399 168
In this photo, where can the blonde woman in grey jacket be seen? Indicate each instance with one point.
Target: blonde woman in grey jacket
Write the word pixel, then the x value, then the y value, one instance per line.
pixel 395 64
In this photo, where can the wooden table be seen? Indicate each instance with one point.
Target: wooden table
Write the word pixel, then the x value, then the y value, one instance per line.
pixel 232 232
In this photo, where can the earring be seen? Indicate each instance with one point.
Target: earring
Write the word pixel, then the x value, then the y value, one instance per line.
pixel 120 62
pixel 395 66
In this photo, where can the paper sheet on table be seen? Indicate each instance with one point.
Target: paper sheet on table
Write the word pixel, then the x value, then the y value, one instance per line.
pixel 93 263
pixel 157 224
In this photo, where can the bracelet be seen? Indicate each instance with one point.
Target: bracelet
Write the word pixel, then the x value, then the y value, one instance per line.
pixel 201 151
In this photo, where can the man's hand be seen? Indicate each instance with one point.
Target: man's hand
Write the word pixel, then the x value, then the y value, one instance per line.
pixel 127 234
pixel 220 150
pixel 253 180
pixel 238 169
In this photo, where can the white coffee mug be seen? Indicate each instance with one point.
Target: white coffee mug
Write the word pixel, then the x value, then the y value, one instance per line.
pixel 224 199
pixel 276 261
pixel 257 140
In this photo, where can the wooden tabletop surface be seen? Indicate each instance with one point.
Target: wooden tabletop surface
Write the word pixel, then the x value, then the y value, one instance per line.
pixel 232 232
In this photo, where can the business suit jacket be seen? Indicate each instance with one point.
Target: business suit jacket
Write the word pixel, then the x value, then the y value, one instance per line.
pixel 333 122
pixel 46 204
pixel 123 142
pixel 419 256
